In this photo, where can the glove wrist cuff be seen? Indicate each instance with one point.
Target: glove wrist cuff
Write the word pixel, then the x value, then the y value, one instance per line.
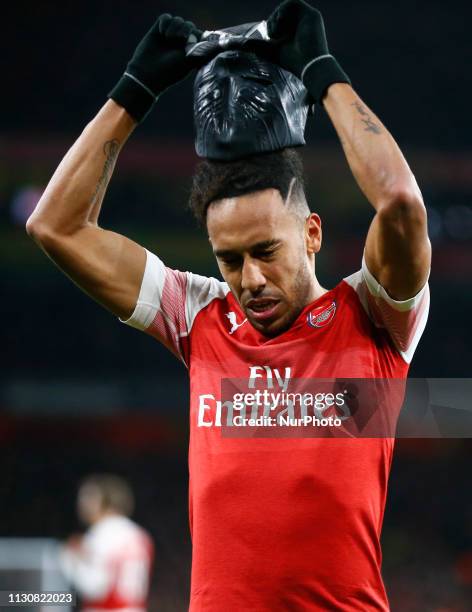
pixel 320 73
pixel 134 96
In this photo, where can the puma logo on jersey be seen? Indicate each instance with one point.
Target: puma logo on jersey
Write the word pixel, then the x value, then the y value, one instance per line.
pixel 234 323
pixel 321 316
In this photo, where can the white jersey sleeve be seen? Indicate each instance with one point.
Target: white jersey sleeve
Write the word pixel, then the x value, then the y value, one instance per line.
pixel 168 302
pixel 89 573
pixel 111 566
pixel 404 320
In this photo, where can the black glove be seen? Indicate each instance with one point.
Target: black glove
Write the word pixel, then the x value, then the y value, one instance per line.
pixel 302 48
pixel 158 62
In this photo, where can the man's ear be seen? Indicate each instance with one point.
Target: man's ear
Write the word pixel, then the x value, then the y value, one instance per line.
pixel 313 234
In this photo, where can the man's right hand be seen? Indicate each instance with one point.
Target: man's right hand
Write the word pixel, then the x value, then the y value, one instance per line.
pixel 158 62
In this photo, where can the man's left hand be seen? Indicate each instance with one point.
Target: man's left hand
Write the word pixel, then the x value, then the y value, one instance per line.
pixel 301 46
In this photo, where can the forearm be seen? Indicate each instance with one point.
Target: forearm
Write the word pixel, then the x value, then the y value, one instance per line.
pixel 375 159
pixel 75 192
pixel 90 579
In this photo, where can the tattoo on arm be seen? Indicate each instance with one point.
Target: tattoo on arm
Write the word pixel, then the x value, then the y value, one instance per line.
pixel 110 150
pixel 370 126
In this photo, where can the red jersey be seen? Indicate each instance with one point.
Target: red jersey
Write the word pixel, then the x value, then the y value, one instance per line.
pixel 282 523
pixel 111 569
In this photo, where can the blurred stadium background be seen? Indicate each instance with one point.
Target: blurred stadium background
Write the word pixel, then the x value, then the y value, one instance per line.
pixel 82 393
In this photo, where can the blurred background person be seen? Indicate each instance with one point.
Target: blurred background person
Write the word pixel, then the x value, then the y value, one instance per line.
pixel 110 565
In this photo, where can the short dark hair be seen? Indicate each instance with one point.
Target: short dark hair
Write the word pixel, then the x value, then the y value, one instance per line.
pixel 215 180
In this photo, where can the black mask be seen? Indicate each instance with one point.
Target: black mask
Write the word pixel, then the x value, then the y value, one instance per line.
pixel 244 105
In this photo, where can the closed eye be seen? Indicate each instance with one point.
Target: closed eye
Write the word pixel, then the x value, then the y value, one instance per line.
pixel 264 250
pixel 231 262
pixel 265 255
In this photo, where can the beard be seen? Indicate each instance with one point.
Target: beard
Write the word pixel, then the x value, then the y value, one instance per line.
pixel 300 295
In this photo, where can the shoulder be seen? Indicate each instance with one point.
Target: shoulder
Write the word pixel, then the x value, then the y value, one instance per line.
pixel 115 532
pixel 404 320
pixel 201 292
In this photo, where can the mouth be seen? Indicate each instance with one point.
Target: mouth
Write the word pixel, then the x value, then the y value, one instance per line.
pixel 262 309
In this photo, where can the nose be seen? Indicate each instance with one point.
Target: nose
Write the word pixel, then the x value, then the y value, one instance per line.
pixel 252 277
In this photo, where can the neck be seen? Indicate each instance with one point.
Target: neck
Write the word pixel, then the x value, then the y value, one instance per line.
pixel 316 291
pixel 103 514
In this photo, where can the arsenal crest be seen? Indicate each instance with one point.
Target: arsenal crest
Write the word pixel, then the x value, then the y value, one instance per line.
pixel 321 316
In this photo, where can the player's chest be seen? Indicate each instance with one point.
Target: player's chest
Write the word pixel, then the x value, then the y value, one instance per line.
pixel 326 341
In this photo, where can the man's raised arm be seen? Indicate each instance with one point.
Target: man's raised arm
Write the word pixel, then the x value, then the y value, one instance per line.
pixel 106 265
pixel 398 251
pixel 109 267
